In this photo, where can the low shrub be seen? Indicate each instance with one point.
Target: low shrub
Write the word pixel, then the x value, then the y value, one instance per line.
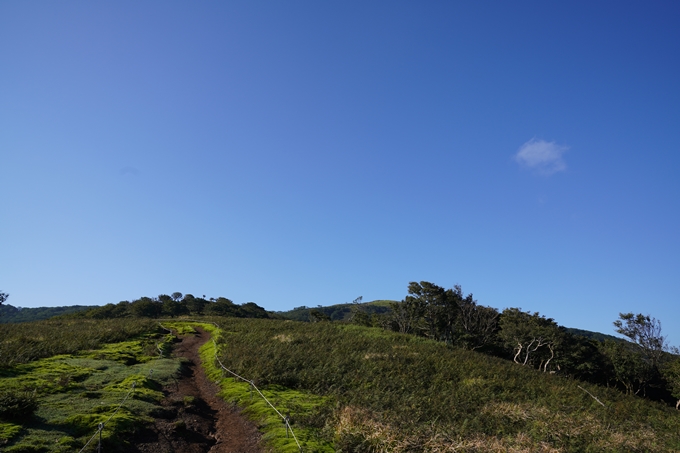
pixel 17 405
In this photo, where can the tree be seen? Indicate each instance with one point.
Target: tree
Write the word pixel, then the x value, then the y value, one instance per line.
pixel 176 296
pixel 533 337
pixel 146 307
pixel 318 316
pixel 478 324
pixel 406 315
pixel 645 332
pixel 3 297
pixel 434 305
pixel 358 314
pixel 193 304
pixel 630 370
pixel 582 358
pixel 173 308
pixel 671 374
pixel 221 307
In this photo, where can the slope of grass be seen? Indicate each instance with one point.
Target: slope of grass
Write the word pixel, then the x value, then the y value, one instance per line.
pixel 306 410
pixel 392 392
pixel 25 342
pixel 75 392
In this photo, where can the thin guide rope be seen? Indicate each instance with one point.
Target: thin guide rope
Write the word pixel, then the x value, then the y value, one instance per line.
pixel 285 419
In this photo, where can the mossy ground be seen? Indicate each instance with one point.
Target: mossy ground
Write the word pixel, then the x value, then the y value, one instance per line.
pixel 77 392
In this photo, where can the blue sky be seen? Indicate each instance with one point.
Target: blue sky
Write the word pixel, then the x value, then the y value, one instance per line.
pixel 307 153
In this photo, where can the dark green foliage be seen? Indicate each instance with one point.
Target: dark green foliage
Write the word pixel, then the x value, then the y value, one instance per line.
pixel 251 310
pixel 591 335
pixel 318 316
pixel 340 312
pixel 221 307
pixel 171 306
pixel 446 315
pixel 629 368
pixel 645 332
pixel 17 405
pixel 532 337
pixel 582 358
pixel 671 373
pixel 146 307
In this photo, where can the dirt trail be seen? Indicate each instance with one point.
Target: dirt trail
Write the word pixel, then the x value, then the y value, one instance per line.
pixel 195 419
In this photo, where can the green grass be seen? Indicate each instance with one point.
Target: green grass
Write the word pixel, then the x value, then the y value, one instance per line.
pixel 76 392
pixel 345 388
pixel 392 392
pixel 306 410
pixel 23 343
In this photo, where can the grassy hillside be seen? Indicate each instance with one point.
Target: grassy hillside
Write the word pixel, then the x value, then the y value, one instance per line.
pixel 384 391
pixel 345 388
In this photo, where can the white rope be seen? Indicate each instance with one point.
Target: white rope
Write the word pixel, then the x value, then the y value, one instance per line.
pixel 88 442
pixel 164 328
pixel 285 419
pixel 592 396
pixel 101 426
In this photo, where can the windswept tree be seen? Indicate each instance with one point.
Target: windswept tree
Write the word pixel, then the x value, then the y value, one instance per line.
pixel 630 370
pixel 172 307
pixel 358 314
pixel 318 316
pixel 478 324
pixel 430 300
pixel 533 338
pixel 221 307
pixel 145 307
pixel 671 374
pixel 406 315
pixel 194 305
pixel 445 315
pixel 645 332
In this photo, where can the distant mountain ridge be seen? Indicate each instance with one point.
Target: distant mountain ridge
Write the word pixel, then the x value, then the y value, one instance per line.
pixel 601 337
pixel 10 314
pixel 338 312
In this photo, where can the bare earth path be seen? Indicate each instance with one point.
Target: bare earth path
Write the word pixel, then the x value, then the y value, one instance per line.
pixel 195 419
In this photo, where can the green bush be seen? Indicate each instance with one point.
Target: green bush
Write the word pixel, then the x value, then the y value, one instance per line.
pixel 17 405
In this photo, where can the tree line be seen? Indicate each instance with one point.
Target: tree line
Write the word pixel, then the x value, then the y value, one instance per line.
pixel 176 304
pixel 645 365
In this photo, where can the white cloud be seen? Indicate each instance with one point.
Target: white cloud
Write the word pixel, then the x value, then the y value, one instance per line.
pixel 541 156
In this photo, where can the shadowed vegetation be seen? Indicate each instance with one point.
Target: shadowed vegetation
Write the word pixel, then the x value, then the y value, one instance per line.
pixel 55 404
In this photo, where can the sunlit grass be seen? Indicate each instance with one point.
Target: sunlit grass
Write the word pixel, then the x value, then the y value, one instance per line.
pixel 76 392
pixel 395 392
